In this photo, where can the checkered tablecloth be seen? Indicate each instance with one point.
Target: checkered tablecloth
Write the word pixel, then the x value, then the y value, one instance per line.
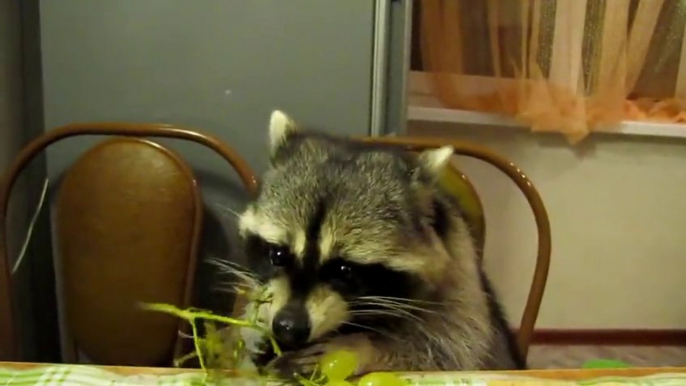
pixel 67 375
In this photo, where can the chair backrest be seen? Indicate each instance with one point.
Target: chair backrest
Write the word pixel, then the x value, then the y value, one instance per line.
pixel 127 218
pixel 459 185
pixel 127 224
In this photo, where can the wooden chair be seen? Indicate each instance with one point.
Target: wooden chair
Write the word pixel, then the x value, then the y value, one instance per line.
pixel 454 181
pixel 128 219
pixel 459 185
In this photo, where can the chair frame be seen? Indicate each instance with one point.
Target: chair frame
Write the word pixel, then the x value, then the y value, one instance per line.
pixel 9 346
pixel 516 175
pixel 8 329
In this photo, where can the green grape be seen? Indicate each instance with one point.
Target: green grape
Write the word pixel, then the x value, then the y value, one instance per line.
pixel 338 382
pixel 381 379
pixel 338 365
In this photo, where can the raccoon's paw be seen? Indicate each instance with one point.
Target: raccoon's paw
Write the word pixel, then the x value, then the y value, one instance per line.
pixel 294 363
pixel 304 362
pixel 262 356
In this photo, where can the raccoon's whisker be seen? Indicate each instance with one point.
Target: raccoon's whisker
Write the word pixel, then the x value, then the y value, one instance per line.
pixel 184 335
pixel 394 316
pixel 393 305
pixel 387 313
pixel 372 307
pixel 232 264
pixel 400 300
pixel 380 332
pixel 231 267
pixel 226 209
pixel 240 283
pixel 228 290
pixel 224 263
pixel 242 273
pixel 405 316
pixel 232 287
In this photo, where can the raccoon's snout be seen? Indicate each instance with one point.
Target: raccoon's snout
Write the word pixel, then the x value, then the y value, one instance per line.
pixel 291 326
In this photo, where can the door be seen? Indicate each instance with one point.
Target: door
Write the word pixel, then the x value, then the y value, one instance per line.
pixel 220 66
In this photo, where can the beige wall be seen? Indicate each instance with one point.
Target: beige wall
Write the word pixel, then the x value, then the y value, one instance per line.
pixel 617 206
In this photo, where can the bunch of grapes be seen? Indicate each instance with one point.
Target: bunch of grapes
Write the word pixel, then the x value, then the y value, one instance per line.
pixel 338 366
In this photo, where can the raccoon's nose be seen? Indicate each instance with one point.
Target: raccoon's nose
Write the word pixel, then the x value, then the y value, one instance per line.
pixel 291 326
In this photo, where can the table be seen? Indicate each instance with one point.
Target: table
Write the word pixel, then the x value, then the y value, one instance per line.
pixel 557 374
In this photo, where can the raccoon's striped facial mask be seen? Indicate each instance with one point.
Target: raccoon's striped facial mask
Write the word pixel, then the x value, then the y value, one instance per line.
pixel 339 233
pixel 312 297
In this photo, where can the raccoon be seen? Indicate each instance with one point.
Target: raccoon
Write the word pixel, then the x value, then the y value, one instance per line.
pixel 360 249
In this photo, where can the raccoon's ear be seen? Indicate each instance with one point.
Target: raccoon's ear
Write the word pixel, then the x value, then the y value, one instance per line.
pixel 281 126
pixel 434 161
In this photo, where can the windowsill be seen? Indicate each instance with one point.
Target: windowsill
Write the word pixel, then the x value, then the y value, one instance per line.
pixel 424 107
pixel 443 115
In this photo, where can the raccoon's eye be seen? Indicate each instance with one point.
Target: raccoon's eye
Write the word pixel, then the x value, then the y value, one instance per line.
pixel 344 272
pixel 279 255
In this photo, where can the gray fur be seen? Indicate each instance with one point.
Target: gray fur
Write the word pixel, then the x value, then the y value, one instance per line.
pixel 382 206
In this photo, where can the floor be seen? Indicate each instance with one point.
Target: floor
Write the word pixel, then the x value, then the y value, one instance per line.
pixel 541 357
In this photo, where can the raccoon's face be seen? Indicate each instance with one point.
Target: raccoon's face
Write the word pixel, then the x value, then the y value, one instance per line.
pixel 339 228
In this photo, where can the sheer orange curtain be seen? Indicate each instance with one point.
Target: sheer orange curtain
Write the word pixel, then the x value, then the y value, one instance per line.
pixel 569 66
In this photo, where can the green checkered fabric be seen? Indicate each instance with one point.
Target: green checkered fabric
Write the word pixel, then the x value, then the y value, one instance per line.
pixel 494 379
pixel 70 375
pixel 66 375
